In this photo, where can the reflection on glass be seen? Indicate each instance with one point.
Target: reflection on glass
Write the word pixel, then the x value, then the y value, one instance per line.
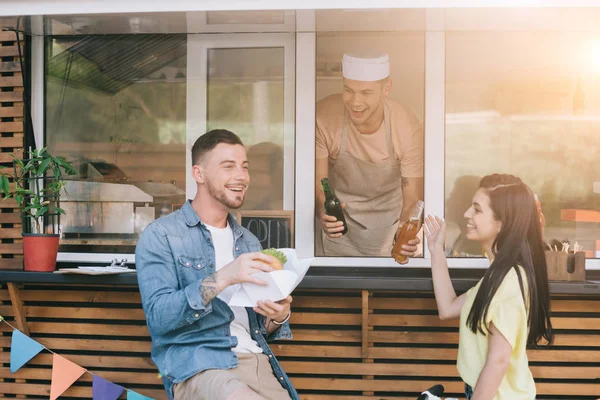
pixel 528 104
pixel 246 96
pixel 115 105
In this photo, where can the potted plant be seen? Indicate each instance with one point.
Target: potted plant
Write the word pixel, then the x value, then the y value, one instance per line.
pixel 37 183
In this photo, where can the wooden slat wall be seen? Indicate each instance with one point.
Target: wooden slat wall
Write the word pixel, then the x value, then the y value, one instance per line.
pixel 347 344
pixel 11 141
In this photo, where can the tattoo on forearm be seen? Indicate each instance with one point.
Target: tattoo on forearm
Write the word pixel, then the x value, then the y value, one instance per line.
pixel 208 288
pixel 404 182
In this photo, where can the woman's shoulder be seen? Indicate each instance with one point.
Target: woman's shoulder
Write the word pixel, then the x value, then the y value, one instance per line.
pixel 510 286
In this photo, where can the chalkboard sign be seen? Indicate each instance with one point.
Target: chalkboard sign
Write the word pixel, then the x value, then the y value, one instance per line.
pixel 272 228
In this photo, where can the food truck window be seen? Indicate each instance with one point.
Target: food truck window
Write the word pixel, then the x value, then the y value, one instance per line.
pixel 127 108
pixel 115 106
pixel 524 100
pixel 370 89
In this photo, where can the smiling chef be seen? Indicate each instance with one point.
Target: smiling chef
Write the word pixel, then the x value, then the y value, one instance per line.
pixel 371 150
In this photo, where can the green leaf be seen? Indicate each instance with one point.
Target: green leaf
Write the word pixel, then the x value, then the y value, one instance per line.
pixel 41 211
pixel 43 166
pixel 5 185
pixel 59 210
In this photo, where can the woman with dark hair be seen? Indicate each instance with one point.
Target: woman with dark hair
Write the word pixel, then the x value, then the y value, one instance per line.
pixel 509 309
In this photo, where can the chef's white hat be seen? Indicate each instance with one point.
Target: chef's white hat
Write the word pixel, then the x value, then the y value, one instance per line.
pixel 368 69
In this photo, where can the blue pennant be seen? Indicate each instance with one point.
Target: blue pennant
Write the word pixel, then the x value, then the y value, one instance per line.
pixel 131 395
pixel 22 349
pixel 105 390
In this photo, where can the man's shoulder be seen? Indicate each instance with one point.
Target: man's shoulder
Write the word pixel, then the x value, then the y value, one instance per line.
pixel 330 105
pixel 165 224
pixel 398 108
pixel 330 116
pixel 403 116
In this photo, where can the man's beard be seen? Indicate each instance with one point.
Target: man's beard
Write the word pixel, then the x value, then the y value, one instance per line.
pixel 222 198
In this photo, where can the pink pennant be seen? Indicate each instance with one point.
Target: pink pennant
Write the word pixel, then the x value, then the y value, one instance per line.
pixel 64 374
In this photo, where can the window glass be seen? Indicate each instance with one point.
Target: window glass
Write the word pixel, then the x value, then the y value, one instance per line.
pixel 246 96
pixel 525 103
pixel 116 107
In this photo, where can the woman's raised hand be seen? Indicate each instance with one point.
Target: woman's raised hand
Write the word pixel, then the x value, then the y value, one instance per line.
pixel 435 231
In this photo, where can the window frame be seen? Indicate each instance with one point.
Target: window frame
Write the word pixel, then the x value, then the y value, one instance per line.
pixel 303 49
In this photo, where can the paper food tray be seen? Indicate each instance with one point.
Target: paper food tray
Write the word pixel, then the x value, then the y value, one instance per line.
pixel 280 283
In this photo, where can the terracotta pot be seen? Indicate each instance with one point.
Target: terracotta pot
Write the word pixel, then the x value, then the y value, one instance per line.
pixel 40 252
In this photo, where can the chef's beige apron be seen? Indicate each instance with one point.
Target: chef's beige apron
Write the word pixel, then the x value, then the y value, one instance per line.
pixel 373 196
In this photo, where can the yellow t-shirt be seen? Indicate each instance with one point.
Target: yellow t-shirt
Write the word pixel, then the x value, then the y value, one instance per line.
pixel 508 313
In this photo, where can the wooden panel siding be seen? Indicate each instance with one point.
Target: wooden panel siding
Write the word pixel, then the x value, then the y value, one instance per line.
pixel 11 141
pixel 347 344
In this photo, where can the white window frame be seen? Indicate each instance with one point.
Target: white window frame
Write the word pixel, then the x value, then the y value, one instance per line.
pixel 197 22
pixel 198 46
pixel 434 149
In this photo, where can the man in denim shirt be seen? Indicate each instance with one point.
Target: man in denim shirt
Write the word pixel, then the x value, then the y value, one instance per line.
pixel 189 264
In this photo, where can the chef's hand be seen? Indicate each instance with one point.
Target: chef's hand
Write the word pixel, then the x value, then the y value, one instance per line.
pixel 409 249
pixel 331 226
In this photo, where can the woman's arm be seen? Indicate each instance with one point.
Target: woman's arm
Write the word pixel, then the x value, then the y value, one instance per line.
pixel 498 359
pixel 449 305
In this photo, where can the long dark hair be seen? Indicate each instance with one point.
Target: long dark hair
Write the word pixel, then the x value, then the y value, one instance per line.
pixel 519 242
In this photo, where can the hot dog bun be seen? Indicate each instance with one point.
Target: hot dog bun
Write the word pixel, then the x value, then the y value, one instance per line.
pixel 274 263
pixel 277 258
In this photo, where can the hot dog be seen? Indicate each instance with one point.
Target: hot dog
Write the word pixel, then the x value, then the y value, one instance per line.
pixel 278 258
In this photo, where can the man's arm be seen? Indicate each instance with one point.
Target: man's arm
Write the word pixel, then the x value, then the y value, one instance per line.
pixel 412 191
pixel 167 307
pixel 330 225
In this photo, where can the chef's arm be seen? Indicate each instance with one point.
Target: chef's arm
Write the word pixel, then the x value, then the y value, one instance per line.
pixel 412 191
pixel 321 171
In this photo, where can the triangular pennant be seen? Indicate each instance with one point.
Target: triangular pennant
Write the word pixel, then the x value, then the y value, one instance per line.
pixel 22 349
pixel 105 390
pixel 131 395
pixel 64 374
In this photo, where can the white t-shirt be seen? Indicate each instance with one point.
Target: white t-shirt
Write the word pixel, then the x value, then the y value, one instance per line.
pixel 240 326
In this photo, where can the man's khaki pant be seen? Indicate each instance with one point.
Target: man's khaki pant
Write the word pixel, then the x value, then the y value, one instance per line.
pixel 253 371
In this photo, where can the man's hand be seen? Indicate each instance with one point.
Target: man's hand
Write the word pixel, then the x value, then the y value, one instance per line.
pixel 409 249
pixel 238 271
pixel 274 310
pixel 241 269
pixel 331 226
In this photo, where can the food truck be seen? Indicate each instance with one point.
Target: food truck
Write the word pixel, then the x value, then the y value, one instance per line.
pixel 123 89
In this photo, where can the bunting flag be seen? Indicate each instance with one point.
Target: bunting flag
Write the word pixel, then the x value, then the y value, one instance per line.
pixel 105 390
pixel 64 374
pixel 22 349
pixel 131 395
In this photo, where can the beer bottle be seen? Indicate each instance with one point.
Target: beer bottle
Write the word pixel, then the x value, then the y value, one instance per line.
pixel 333 206
pixel 408 231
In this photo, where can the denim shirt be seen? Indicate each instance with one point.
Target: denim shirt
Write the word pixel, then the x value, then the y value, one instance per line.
pixel 173 256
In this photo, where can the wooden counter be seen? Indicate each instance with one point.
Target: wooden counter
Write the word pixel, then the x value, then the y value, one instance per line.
pixel 348 343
